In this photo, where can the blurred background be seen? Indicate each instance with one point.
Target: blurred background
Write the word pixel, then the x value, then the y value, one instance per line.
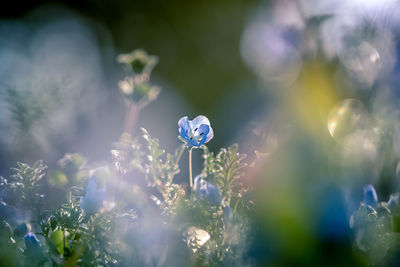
pixel 58 64
pixel 312 85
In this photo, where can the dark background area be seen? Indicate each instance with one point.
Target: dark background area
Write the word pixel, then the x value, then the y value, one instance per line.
pixel 197 43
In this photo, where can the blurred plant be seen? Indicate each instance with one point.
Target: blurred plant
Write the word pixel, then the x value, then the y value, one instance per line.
pixel 376 224
pixel 127 154
pixel 33 250
pixel 22 190
pixel 226 169
pixel 138 62
pixel 27 108
pixel 370 196
pixel 133 212
pixel 136 86
pixel 70 171
pixel 159 168
pixel 205 190
pixel 21 193
pixel 208 225
pixel 211 214
pixel 32 244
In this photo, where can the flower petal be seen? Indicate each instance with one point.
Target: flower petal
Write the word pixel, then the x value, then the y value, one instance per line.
pixel 203 131
pixel 31 241
pixel 370 196
pixel 199 120
pixel 210 135
pixel 184 127
pixel 195 132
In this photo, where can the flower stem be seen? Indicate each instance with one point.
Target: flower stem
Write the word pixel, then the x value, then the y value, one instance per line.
pixel 132 113
pixel 236 205
pixel 190 168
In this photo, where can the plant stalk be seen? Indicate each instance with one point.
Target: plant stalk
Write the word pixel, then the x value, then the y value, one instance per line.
pixel 131 116
pixel 190 169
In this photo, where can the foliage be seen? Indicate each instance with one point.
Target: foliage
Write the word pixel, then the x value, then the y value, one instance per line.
pixel 134 210
pixel 67 235
pixel 23 187
pixel 226 169
pixel 376 231
pixel 136 85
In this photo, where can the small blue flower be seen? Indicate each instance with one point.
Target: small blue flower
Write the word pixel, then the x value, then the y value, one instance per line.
pixel 370 197
pixel 206 191
pixel 94 198
pixel 195 132
pixel 32 244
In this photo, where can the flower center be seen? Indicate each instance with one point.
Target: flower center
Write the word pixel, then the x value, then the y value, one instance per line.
pixel 195 135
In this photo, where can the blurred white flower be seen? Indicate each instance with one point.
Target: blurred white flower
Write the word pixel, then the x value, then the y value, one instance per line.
pixel 197 236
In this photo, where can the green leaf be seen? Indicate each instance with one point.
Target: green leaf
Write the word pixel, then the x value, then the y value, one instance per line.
pixel 58 179
pixel 24 185
pixel 58 239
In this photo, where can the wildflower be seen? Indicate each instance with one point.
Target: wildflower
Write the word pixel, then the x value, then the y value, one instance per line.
pixel 32 244
pixel 138 61
pixel 207 191
pixel 370 197
pixel 195 132
pixel 136 86
pixel 92 202
pixel 33 251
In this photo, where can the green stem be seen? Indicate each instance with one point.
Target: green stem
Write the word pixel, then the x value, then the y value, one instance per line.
pixel 64 240
pixel 190 169
pixel 131 116
pixel 236 205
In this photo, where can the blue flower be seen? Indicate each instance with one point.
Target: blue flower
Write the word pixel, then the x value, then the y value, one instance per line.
pixel 370 197
pixel 92 202
pixel 32 244
pixel 195 132
pixel 206 191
